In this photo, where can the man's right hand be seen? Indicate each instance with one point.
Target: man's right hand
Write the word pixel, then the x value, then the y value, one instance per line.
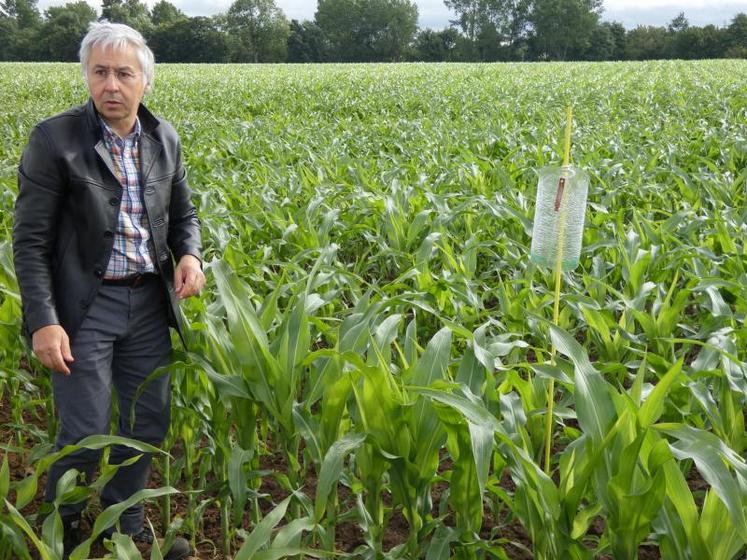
pixel 52 347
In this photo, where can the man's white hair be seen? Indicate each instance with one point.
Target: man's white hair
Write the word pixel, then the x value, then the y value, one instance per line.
pixel 117 36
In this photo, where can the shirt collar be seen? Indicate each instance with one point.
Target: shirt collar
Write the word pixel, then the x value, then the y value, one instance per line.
pixel 113 136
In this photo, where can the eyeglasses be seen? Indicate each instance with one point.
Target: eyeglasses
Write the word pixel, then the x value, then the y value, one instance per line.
pixel 124 77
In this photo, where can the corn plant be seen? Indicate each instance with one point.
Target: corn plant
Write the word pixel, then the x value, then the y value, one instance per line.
pixel 373 330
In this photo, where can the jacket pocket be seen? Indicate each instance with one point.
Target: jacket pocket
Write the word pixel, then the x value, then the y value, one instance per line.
pixel 77 183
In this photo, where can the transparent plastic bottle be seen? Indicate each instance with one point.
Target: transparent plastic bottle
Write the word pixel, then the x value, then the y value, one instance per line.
pixel 559 214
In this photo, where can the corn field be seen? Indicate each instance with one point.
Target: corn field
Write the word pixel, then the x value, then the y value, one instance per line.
pixel 368 367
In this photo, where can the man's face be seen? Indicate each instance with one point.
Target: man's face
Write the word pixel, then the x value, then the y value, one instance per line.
pixel 116 83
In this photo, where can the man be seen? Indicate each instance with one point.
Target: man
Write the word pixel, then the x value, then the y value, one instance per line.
pixel 103 207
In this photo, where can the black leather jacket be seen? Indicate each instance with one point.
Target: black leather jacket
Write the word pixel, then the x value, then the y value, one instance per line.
pixel 67 209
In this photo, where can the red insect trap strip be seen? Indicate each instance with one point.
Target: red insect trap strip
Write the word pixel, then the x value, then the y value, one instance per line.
pixel 559 195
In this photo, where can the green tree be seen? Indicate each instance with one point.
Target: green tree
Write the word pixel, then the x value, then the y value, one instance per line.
pixel 497 28
pixel 678 24
pixel 435 46
pixel 367 30
pixel 602 43
pixel 465 49
pixel 7 31
pixel 306 42
pixel 165 13
pixel 260 31
pixel 64 28
pixel 489 44
pixel 20 25
pixel 472 15
pixel 736 37
pixel 677 38
pixel 130 12
pixel 620 36
pixel 646 42
pixel 563 29
pixel 701 42
pixel 196 39
pixel 24 12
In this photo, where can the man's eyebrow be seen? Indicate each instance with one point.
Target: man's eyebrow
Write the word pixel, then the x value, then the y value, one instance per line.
pixel 106 67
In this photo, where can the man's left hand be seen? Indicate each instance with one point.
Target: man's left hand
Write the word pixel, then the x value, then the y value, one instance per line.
pixel 188 277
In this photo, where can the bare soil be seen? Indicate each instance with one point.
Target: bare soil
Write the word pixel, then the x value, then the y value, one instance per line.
pixel 348 535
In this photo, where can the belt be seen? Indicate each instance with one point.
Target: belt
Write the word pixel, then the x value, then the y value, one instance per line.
pixel 130 281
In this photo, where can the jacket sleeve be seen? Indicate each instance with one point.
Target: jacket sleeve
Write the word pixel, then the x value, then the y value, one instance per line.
pixel 41 190
pixel 184 225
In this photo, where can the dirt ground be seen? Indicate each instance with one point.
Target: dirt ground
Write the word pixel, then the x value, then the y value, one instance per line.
pixel 348 535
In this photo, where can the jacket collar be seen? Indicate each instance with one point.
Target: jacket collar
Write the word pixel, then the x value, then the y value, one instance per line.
pixel 148 121
pixel 150 146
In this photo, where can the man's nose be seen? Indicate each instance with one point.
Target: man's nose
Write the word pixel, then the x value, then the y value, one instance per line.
pixel 111 82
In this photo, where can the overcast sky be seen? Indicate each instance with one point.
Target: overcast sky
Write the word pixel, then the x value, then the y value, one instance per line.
pixel 434 14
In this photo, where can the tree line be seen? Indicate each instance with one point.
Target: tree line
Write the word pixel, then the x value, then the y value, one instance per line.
pixel 368 31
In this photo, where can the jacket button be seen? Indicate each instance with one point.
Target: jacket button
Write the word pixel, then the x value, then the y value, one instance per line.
pixel 150 190
pixel 164 257
pixel 114 201
pixel 98 272
pixel 108 234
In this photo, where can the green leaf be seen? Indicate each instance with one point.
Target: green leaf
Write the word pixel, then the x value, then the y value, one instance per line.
pixel 411 341
pixel 4 478
pixel 654 404
pixel 124 548
pixel 440 546
pixel 294 345
pixel 386 331
pixel 680 497
pixel 471 373
pixel 155 551
pixel 66 484
pixel 596 320
pixel 471 411
pixel 227 385
pixel 636 389
pixel 482 426
pixel 262 533
pixel 435 360
pixel 719 532
pixel 427 432
pixel 593 402
pixel 44 552
pixel 309 434
pixel 237 480
pixel 97 442
pixel 465 496
pixel 111 515
pixel 52 531
pixel 635 498
pixel 550 371
pixel 331 469
pixel 583 519
pixel 26 490
pixel 289 552
pixel 290 534
pixel 712 456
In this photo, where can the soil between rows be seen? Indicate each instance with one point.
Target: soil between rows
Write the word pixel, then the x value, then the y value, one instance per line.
pixel 348 535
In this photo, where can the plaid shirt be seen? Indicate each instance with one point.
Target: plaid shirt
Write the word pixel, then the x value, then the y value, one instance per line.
pixel 132 253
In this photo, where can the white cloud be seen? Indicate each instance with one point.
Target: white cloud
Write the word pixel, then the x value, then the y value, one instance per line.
pixel 682 5
pixel 632 13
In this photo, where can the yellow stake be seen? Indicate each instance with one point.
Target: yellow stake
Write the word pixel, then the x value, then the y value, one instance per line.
pixel 567 143
pixel 558 277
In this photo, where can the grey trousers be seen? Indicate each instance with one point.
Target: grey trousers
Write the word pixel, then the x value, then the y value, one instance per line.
pixel 122 340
